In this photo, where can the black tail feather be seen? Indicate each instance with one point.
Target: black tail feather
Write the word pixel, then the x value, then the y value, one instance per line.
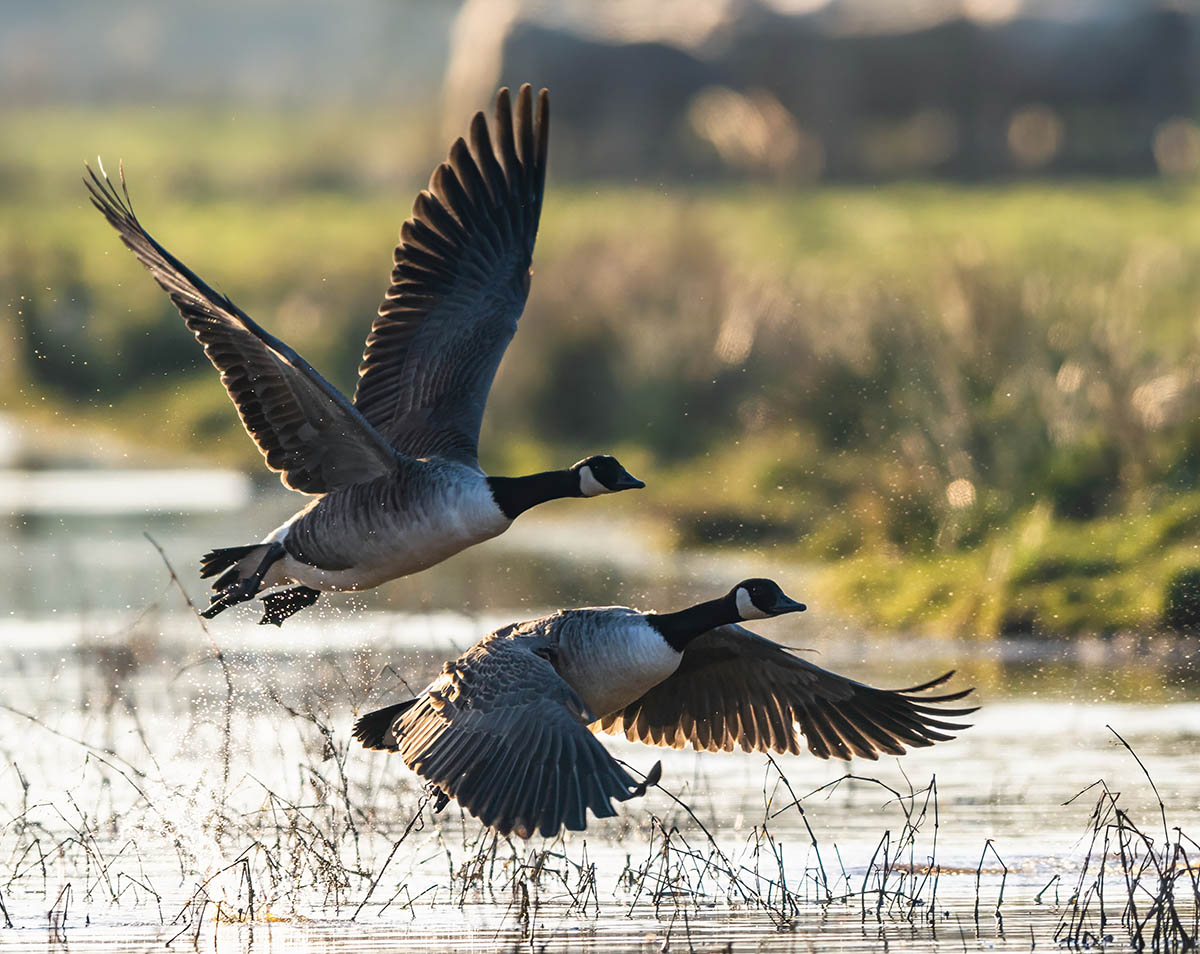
pixel 235 585
pixel 373 728
pixel 214 561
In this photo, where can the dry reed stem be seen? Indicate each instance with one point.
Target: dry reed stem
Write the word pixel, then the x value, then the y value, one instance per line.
pixel 1155 914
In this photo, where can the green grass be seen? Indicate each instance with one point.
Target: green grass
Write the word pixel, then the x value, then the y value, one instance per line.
pixel 1039 576
pixel 808 371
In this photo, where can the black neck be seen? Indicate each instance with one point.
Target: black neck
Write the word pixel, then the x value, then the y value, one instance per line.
pixel 679 629
pixel 515 495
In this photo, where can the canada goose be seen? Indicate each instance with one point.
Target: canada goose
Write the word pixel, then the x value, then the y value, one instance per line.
pixel 396 473
pixel 506 729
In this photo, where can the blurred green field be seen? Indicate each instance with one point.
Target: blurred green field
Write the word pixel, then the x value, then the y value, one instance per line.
pixel 974 408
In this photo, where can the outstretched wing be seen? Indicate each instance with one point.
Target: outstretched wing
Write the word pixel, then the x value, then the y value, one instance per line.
pixel 305 427
pixel 501 732
pixel 459 284
pixel 734 687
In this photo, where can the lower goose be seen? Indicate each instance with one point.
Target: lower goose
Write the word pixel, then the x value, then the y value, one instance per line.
pixel 506 729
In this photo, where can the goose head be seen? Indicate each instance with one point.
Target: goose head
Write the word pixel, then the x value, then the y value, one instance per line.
pixel 760 599
pixel 601 474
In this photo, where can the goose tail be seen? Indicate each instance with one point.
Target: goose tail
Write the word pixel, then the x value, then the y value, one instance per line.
pixel 225 558
pixel 242 570
pixel 374 730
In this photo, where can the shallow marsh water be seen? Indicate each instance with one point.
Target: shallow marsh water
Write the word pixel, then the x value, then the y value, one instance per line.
pixel 151 792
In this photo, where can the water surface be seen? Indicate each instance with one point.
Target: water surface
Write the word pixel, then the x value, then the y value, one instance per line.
pixel 162 781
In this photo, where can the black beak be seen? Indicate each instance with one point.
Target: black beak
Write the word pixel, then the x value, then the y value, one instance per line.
pixel 626 481
pixel 785 604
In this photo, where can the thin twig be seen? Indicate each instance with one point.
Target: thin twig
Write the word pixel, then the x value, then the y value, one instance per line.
pixel 408 829
pixel 227 738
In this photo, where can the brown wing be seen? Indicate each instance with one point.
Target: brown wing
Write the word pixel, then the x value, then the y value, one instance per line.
pixel 734 687
pixel 459 284
pixel 501 732
pixel 305 427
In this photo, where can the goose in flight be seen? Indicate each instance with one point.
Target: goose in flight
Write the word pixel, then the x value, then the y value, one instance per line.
pixel 395 472
pixel 506 729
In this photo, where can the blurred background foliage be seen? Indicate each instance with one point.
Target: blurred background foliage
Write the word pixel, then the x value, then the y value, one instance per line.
pixel 909 343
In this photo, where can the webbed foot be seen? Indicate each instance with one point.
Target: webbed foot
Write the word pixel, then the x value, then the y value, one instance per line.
pixel 279 606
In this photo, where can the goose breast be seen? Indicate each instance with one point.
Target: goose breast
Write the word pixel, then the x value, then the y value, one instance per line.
pixel 611 656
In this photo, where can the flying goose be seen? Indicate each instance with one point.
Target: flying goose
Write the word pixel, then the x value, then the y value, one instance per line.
pixel 506 729
pixel 395 473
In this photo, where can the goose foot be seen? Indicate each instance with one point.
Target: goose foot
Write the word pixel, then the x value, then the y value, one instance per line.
pixel 279 606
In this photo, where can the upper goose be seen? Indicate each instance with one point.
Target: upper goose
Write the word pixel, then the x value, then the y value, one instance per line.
pixel 396 472
pixel 506 729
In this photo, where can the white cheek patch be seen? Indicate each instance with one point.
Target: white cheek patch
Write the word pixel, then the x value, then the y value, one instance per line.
pixel 745 606
pixel 589 486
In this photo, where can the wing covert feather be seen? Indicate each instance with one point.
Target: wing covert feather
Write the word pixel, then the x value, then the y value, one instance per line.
pixel 502 733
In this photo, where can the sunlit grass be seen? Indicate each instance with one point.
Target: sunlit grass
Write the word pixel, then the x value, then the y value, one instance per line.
pixel 1038 576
